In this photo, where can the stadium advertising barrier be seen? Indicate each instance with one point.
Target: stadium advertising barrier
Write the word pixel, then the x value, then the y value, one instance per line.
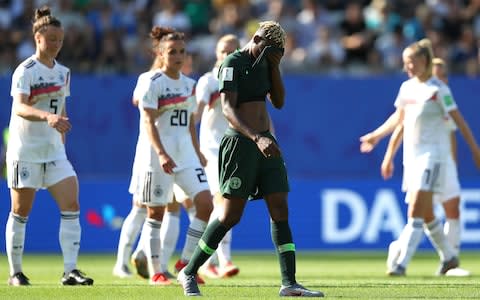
pixel 361 214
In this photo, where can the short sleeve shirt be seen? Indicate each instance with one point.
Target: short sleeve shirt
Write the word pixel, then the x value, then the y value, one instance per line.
pixel 47 89
pixel 250 79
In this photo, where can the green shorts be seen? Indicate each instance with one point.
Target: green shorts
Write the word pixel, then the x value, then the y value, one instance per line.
pixel 245 172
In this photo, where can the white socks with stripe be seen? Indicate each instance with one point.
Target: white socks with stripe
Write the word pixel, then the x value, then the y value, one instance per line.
pixel 69 236
pixel 194 233
pixel 169 233
pixel 130 229
pixel 15 241
pixel 410 238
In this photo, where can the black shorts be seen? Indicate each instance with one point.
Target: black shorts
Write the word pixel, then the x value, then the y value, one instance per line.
pixel 245 172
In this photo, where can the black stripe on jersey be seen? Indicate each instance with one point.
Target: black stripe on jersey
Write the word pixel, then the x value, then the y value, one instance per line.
pixel 30 63
pixel 155 76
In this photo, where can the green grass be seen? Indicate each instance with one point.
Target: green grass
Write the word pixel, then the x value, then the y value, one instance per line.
pixel 345 275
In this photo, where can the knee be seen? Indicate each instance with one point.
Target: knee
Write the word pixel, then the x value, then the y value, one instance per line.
pixel 230 220
pixel 203 205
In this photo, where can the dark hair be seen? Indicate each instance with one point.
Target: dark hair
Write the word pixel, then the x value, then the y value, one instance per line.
pixel 160 34
pixel 43 18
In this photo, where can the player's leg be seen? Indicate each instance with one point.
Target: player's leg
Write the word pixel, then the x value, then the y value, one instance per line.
pixel 154 190
pixel 193 182
pixel 208 243
pixel 419 203
pixel 21 205
pixel 169 235
pixel 23 179
pixel 452 223
pixel 130 230
pixel 63 186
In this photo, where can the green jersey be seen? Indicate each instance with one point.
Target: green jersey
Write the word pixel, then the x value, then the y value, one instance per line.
pixel 240 73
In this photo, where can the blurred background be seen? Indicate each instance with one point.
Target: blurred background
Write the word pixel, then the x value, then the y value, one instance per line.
pixel 342 70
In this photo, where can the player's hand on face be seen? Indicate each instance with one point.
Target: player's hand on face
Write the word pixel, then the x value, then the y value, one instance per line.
pixel 368 142
pixel 167 163
pixel 268 147
pixel 60 123
pixel 274 55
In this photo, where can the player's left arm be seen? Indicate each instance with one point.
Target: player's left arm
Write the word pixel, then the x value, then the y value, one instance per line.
pixel 449 105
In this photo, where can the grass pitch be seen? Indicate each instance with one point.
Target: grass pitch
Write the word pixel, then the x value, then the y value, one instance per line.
pixel 342 275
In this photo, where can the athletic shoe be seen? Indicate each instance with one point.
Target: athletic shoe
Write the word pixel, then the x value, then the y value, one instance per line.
pixel 393 254
pixel 229 270
pixel 139 261
pixel 18 279
pixel 76 277
pixel 122 271
pixel 160 279
pixel 297 290
pixel 180 264
pixel 209 271
pixel 458 272
pixel 189 284
pixel 397 270
pixel 452 263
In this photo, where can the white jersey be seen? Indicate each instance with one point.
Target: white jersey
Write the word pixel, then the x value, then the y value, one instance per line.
pixel 175 99
pixel 426 106
pixel 47 88
pixel 214 123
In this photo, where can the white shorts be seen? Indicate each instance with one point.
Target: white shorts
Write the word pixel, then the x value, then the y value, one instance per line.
pixel 179 194
pixel 451 184
pixel 156 188
pixel 21 174
pixel 211 170
pixel 424 174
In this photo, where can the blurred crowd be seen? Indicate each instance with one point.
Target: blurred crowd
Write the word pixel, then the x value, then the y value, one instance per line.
pixel 336 37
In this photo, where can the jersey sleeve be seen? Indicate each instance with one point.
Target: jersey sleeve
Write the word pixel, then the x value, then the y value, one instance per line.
pixel 21 82
pixel 228 75
pixel 400 101
pixel 149 98
pixel 445 98
pixel 202 90
pixel 139 90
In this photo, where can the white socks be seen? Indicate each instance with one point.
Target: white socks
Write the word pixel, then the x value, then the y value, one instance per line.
pixel 151 230
pixel 15 240
pixel 452 232
pixel 224 249
pixel 69 236
pixel 130 230
pixel 435 233
pixel 411 237
pixel 194 233
pixel 169 233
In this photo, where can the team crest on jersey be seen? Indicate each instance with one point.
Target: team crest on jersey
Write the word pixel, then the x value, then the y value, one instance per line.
pixel 157 191
pixel 235 183
pixel 24 173
pixel 61 77
pixel 227 74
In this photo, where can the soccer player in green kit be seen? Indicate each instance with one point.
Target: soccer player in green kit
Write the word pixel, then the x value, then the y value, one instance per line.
pixel 250 160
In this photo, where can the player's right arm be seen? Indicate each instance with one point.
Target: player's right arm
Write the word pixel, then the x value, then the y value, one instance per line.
pixel 148 105
pixel 371 139
pixel 392 148
pixel 22 107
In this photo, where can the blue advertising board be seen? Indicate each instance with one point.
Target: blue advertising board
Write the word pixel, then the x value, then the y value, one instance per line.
pixel 324 215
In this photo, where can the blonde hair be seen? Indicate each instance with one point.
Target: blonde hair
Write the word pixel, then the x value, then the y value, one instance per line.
pixel 424 48
pixel 229 38
pixel 274 32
